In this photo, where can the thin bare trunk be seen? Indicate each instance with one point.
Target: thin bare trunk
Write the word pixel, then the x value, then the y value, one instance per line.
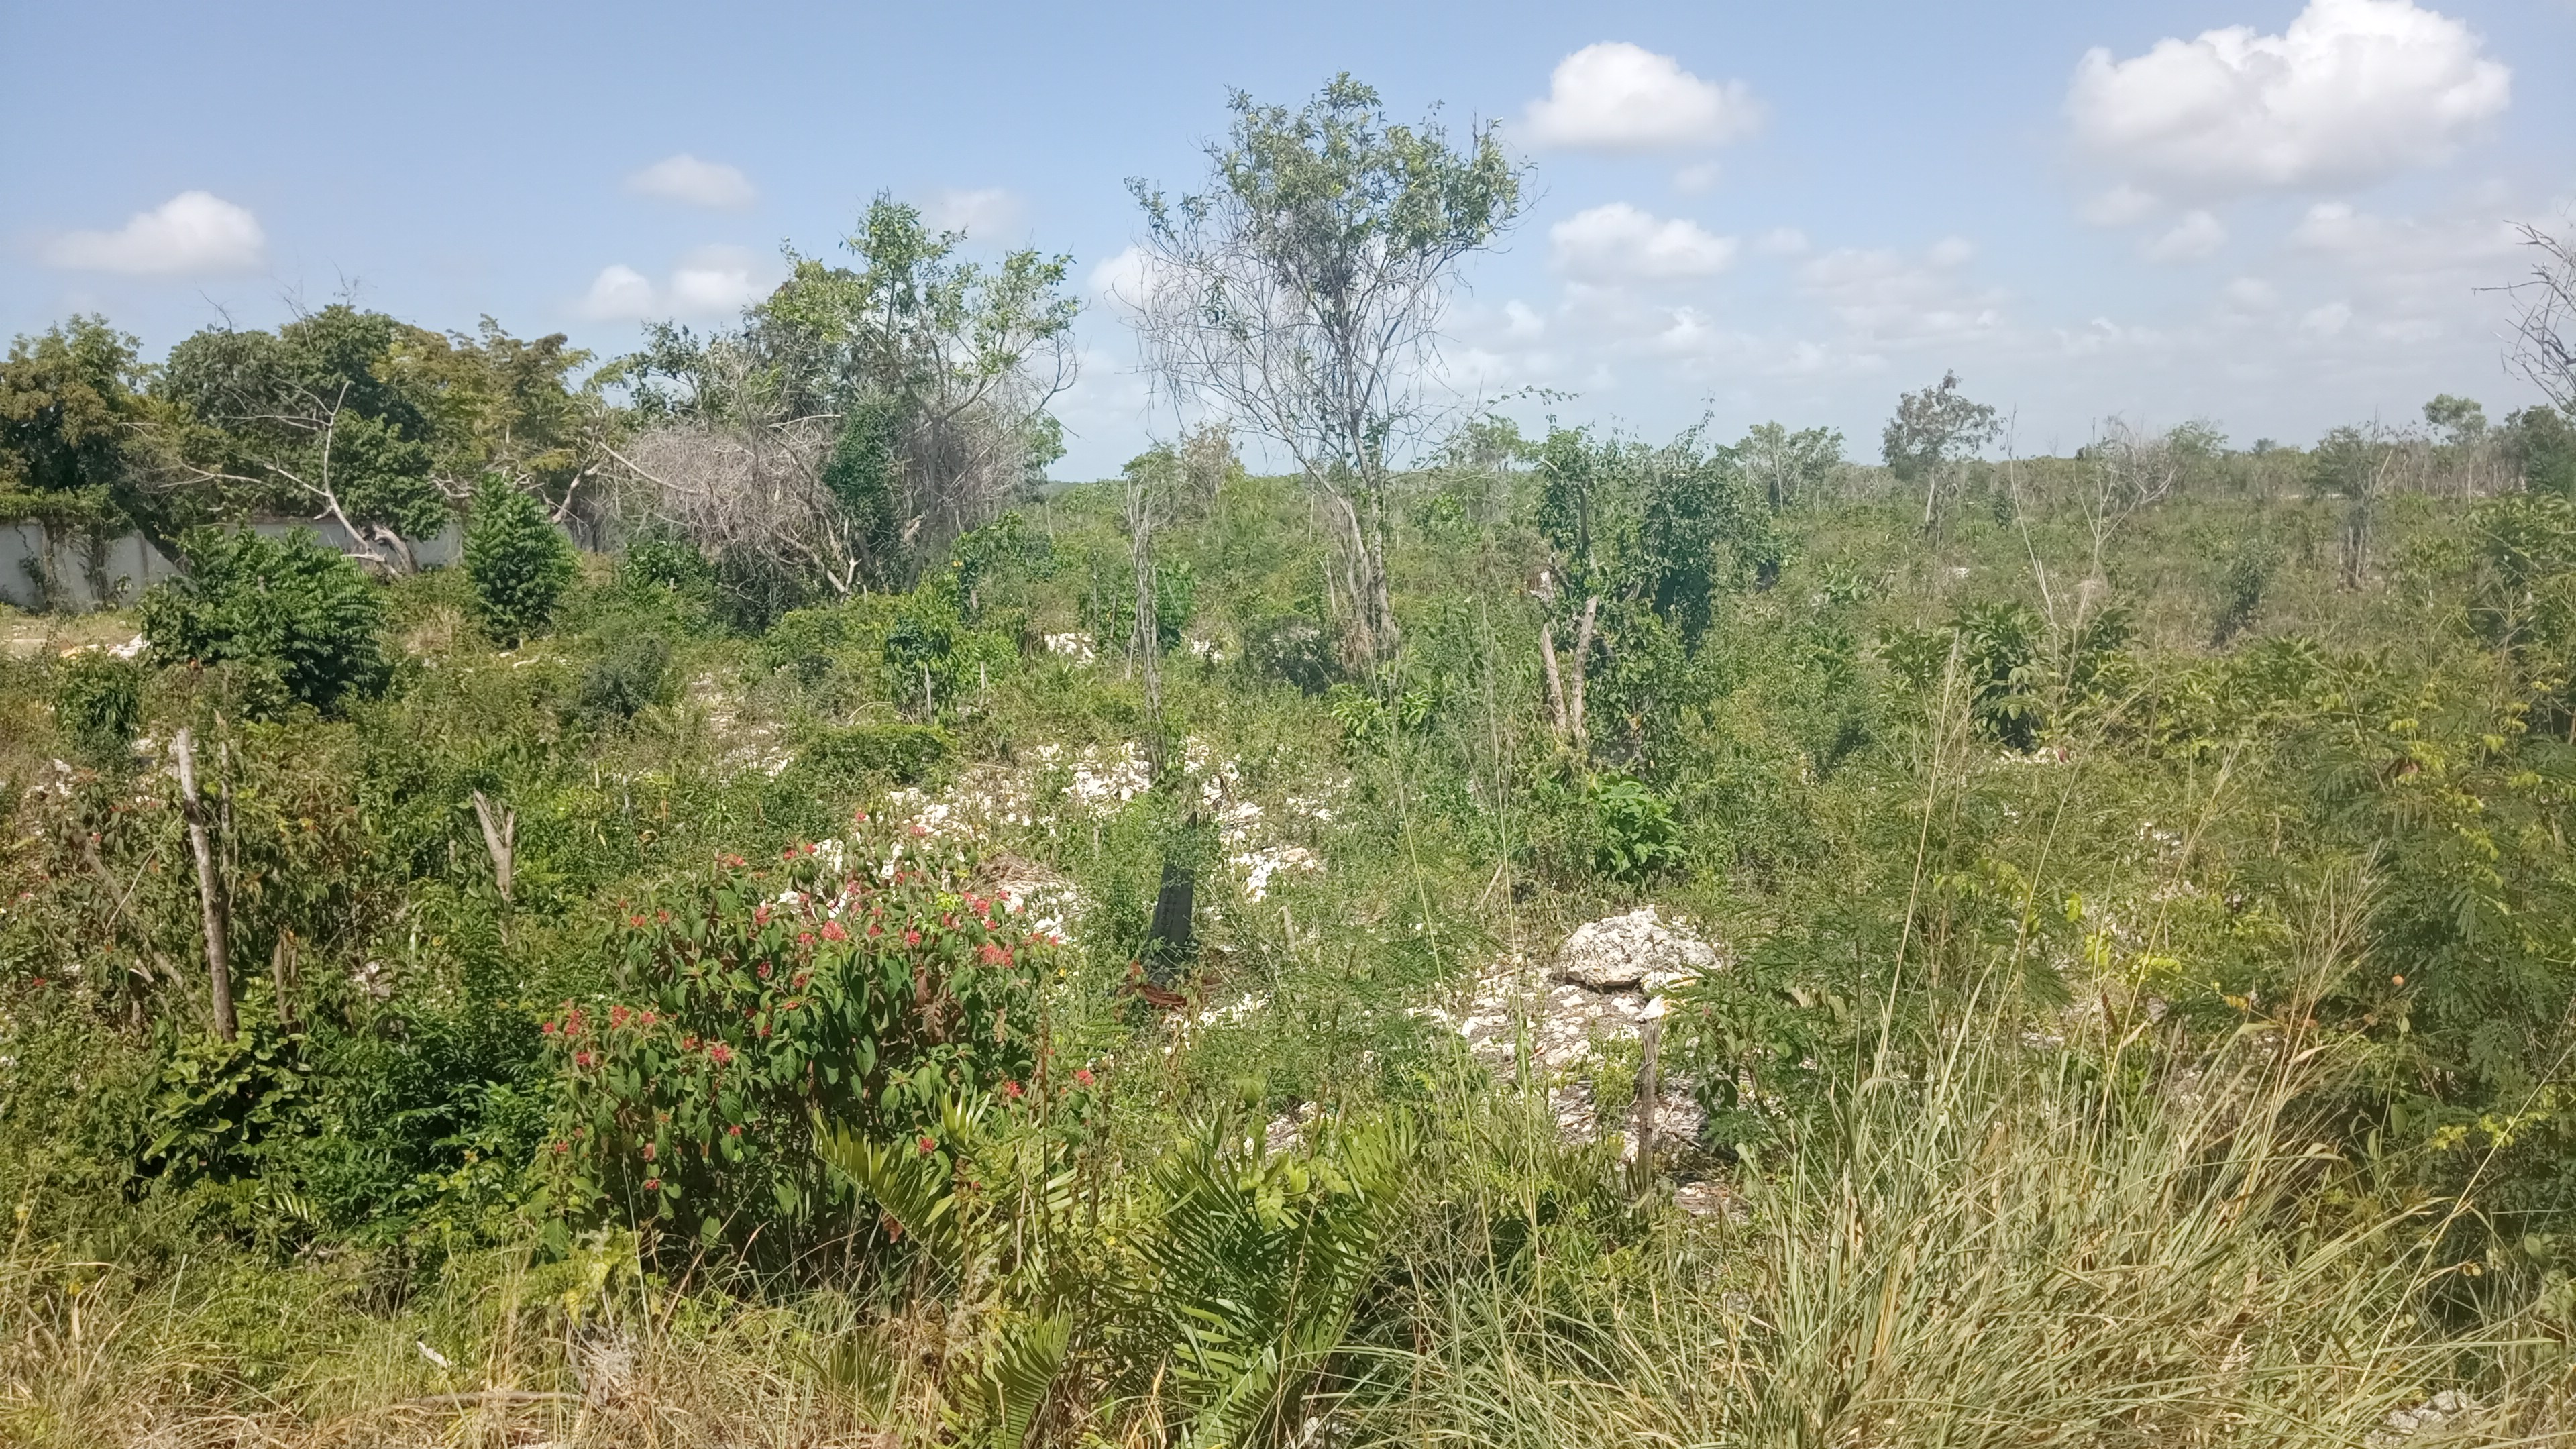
pixel 500 837
pixel 210 898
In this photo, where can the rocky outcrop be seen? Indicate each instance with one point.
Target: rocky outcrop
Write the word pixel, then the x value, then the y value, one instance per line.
pixel 1605 981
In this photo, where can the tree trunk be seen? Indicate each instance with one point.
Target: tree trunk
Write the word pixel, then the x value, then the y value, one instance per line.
pixel 500 838
pixel 210 898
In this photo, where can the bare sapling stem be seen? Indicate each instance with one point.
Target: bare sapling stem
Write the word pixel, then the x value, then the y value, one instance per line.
pixel 210 898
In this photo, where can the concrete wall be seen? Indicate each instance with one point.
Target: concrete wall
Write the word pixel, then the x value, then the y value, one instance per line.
pixel 70 571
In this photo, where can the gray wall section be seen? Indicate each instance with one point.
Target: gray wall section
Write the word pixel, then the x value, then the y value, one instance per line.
pixel 68 570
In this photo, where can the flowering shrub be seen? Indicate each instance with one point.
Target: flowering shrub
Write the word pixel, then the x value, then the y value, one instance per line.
pixel 853 987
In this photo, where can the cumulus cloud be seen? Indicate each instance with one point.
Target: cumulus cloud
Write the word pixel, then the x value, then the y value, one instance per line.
pixel 194 233
pixel 1615 96
pixel 709 284
pixel 1782 241
pixel 1884 296
pixel 2119 206
pixel 1620 243
pixel 2195 238
pixel 692 182
pixel 2351 92
pixel 975 211
pixel 1121 280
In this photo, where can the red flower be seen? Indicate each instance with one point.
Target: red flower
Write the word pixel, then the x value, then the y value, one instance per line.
pixel 689 1043
pixel 1012 1090
pixel 995 955
pixel 804 938
pixel 546 1027
pixel 760 917
pixel 652 1184
pixel 581 1059
pixel 720 1054
pixel 647 1019
pixel 875 929
pixel 562 1147
pixel 928 1146
pixel 636 921
pixel 648 1152
pixel 764 970
pixel 1082 1076
pixel 912 938
pixel 832 931
pixel 734 1131
pixel 617 1016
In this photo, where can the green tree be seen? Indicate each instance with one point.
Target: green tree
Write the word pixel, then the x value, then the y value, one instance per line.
pixel 1300 294
pixel 70 400
pixel 1789 465
pixel 2542 444
pixel 313 419
pixel 1933 432
pixel 287 607
pixel 517 562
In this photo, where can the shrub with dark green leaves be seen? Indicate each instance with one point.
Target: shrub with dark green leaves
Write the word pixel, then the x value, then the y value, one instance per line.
pixel 861 984
pixel 289 608
pixel 516 560
pixel 660 562
pixel 634 672
pixel 900 753
pixel 98 703
pixel 1633 834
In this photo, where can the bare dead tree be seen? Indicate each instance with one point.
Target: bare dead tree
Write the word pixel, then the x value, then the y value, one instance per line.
pixel 2545 326
pixel 2133 469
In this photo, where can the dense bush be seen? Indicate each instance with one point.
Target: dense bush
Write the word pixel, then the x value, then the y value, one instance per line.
pixel 861 984
pixel 517 561
pixel 631 673
pixel 289 608
pixel 98 703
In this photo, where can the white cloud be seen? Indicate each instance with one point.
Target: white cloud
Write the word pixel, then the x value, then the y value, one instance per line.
pixel 2251 295
pixel 1782 241
pixel 621 294
pixel 2119 206
pixel 692 182
pixel 2351 92
pixel 193 233
pixel 2328 320
pixel 717 282
pixel 1883 296
pixel 1619 243
pixel 976 211
pixel 1614 96
pixel 710 284
pixel 2195 238
pixel 1122 280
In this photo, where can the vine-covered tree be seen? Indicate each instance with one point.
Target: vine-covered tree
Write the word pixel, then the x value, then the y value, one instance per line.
pixel 862 417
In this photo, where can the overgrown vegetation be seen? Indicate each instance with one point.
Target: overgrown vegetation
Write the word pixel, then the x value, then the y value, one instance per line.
pixel 807 978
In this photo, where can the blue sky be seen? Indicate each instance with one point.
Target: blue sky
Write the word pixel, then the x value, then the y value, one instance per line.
pixel 2271 213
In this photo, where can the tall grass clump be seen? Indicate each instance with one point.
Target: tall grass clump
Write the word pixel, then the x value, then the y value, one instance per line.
pixel 2005 1249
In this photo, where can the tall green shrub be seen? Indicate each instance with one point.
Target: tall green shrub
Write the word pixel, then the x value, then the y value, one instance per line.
pixel 518 564
pixel 859 986
pixel 287 607
pixel 98 703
